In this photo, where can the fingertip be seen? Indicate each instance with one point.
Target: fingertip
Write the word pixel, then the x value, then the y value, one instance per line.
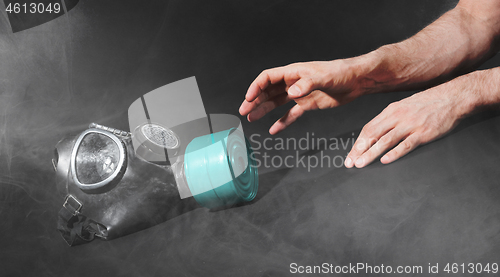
pixel 360 163
pixel 255 89
pixel 245 108
pixel 273 130
pixel 276 128
pixel 256 114
pixel 250 96
pixel 348 162
pixel 385 159
pixel 294 91
pixel 241 110
pixel 251 92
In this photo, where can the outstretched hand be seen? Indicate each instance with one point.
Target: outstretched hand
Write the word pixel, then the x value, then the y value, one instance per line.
pixel 457 42
pixel 312 85
pixel 399 128
pixel 404 125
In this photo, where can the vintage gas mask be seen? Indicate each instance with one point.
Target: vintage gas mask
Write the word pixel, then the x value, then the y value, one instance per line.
pixel 175 159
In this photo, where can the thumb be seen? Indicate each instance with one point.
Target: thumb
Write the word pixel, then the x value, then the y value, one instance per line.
pixel 302 87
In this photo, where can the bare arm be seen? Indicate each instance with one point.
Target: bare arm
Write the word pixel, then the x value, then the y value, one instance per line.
pixel 455 44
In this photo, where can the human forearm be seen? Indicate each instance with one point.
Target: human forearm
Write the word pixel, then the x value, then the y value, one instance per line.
pixel 482 88
pixel 454 44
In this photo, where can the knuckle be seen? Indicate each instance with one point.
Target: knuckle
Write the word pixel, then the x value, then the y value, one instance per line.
pixel 396 108
pixel 265 73
pixel 361 145
pixel 430 135
pixel 391 106
pixel 417 140
pixel 308 83
pixel 368 130
pixel 304 67
pixel 355 149
pixel 353 153
pixel 385 140
pixel 262 79
pixel 261 98
pixel 294 113
pixel 432 128
pixel 403 109
pixel 298 68
pixel 266 108
pixel 406 145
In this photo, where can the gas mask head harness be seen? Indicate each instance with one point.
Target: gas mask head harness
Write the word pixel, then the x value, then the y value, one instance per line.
pixel 116 182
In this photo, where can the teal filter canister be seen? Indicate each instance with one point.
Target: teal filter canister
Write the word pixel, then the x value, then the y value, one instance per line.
pixel 219 169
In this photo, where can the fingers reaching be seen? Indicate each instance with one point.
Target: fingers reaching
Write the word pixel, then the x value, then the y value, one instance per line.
pixel 399 128
pixel 275 87
pixel 269 77
pixel 274 93
pixel 290 117
pixel 265 107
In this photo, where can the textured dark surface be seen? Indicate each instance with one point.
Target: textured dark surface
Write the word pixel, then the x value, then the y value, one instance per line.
pixel 439 204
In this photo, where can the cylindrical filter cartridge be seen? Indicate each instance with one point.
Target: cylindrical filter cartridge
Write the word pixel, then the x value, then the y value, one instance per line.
pixel 219 169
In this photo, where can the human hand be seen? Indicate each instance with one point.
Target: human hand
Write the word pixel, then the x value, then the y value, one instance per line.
pixel 312 85
pixel 413 121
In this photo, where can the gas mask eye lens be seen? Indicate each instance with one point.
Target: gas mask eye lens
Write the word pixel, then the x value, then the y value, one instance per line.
pixel 97 159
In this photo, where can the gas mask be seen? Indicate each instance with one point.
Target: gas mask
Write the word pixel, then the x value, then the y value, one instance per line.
pixel 175 159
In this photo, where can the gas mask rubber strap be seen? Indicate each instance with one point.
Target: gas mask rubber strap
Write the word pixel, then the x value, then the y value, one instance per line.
pixel 75 227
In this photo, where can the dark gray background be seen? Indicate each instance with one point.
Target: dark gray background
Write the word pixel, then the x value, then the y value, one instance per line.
pixel 438 204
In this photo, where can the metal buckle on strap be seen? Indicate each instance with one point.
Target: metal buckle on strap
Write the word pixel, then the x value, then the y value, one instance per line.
pixel 72 205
